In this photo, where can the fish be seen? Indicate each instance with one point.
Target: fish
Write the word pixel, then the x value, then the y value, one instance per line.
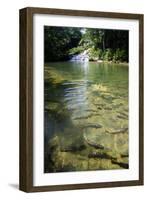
pixel 93 144
pixel 107 108
pixel 121 164
pixel 122 130
pixel 91 125
pixel 123 114
pixel 73 148
pixel 124 155
pixel 82 117
pixel 122 117
pixel 90 110
pixel 100 155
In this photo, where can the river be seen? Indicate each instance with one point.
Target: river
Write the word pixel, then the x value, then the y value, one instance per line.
pixel 85 116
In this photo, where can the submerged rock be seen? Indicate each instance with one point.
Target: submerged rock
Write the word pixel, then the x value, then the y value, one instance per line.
pixel 98 88
pixel 52 106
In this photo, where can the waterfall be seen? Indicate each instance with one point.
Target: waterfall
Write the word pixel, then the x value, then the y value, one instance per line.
pixel 82 57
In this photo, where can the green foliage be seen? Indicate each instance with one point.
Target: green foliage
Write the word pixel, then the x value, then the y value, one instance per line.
pixel 95 54
pixel 101 44
pixel 76 50
pixel 92 38
pixel 58 41
pixel 108 55
pixel 120 55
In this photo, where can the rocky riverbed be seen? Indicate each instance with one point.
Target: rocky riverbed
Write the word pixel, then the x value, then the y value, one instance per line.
pixel 86 119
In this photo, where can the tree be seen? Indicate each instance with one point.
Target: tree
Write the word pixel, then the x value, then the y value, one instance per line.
pixel 58 41
pixel 62 42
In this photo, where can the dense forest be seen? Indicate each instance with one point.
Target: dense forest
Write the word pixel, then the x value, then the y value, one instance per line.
pixel 61 43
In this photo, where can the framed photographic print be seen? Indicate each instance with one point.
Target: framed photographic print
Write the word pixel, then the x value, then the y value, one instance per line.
pixel 81 99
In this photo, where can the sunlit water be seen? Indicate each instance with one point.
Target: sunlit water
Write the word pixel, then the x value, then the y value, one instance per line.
pixel 86 116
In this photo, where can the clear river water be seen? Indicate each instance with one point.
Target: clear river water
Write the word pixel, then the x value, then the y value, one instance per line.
pixel 85 116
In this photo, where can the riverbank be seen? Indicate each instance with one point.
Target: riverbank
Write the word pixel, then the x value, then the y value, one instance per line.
pixel 110 62
pixel 98 55
pixel 98 61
